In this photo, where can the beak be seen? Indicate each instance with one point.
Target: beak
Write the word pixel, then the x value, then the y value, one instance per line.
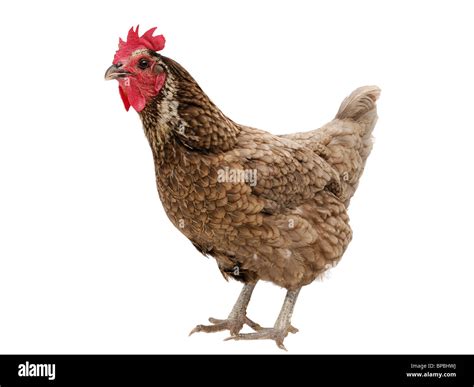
pixel 116 72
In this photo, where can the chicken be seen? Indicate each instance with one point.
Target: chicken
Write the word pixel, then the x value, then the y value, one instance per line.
pixel 266 207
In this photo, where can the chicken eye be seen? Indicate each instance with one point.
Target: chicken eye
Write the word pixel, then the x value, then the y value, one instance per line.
pixel 143 64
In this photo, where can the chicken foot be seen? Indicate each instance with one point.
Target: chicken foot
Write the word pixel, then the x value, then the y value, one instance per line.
pixel 236 319
pixel 282 324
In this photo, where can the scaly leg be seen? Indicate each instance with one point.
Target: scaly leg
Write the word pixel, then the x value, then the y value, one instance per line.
pixel 282 324
pixel 237 317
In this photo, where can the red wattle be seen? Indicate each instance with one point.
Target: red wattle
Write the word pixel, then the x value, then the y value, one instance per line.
pixel 137 100
pixel 125 100
pixel 131 96
pixel 137 91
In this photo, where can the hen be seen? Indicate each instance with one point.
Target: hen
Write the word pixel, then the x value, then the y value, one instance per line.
pixel 266 207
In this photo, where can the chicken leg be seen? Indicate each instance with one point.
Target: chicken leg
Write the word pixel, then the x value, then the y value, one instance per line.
pixel 282 324
pixel 237 317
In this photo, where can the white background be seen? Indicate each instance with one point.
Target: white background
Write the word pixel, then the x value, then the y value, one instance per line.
pixel 89 263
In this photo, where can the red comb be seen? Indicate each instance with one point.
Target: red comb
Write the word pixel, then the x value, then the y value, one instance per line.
pixel 135 42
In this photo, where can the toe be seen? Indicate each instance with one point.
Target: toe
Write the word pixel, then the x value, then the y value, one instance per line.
pixel 279 343
pixel 197 328
pixel 263 334
pixel 292 329
pixel 256 327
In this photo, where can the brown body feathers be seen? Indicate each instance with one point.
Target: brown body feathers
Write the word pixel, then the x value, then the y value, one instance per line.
pixel 264 206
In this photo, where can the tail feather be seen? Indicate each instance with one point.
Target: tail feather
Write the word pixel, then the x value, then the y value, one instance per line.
pixel 360 102
pixel 346 142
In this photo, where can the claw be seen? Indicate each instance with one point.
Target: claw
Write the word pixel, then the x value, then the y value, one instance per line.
pixel 292 329
pixel 281 346
pixel 197 328
pixel 237 317
pixel 278 335
pixel 213 320
pixel 233 325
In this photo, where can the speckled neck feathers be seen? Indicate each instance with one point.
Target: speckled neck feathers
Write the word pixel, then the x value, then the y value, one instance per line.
pixel 182 114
